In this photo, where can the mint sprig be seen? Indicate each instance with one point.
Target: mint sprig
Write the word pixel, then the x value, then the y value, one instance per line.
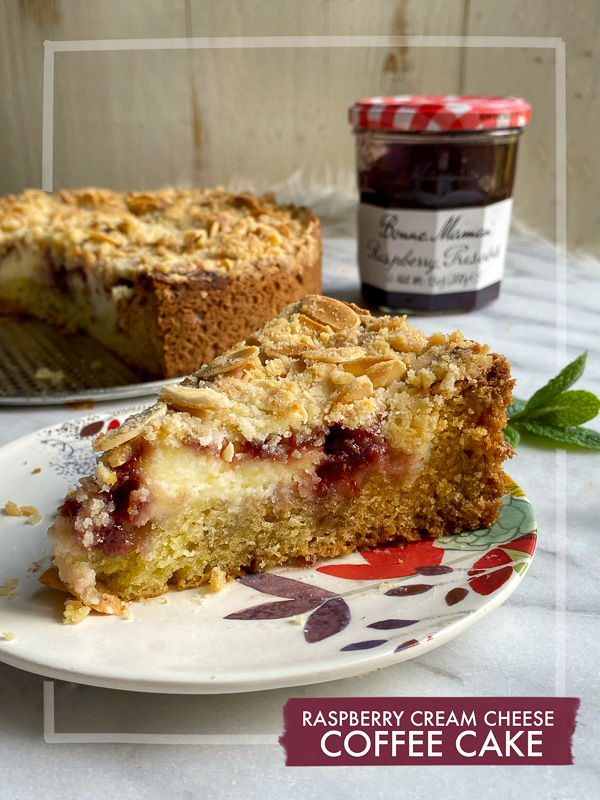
pixel 555 413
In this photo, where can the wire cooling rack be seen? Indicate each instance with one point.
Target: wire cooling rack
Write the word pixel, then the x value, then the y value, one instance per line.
pixel 42 365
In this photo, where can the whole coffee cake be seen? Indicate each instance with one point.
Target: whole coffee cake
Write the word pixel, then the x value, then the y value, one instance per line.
pixel 167 280
pixel 327 430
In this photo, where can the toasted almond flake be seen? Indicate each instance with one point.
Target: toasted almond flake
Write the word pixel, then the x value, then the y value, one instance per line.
pixel 229 361
pixel 361 365
pixel 330 312
pixel 131 428
pixel 358 389
pixel 228 453
pixel 386 372
pixel 192 397
pixel 312 324
pixel 290 349
pixel 334 355
pixel 99 236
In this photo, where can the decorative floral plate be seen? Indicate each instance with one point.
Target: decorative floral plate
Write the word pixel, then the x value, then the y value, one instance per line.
pixel 286 627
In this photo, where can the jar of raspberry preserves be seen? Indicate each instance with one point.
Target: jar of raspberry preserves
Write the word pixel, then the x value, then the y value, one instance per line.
pixel 436 176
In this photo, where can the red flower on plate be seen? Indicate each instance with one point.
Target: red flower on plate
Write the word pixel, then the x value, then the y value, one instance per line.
pixel 489 573
pixel 389 562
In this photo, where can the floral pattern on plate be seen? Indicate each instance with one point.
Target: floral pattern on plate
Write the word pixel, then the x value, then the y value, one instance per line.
pixel 479 562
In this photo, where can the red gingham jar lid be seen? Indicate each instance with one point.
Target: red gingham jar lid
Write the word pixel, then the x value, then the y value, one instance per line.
pixel 438 113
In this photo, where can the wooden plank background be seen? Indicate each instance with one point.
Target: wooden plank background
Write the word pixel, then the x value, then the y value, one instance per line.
pixel 260 119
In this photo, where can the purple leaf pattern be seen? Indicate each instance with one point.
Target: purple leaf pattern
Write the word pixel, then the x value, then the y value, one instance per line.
pixel 406 645
pixel 408 591
pixel 284 587
pixel 330 618
pixel 331 613
pixel 454 596
pixel 280 610
pixel 434 570
pixel 366 645
pixel 392 624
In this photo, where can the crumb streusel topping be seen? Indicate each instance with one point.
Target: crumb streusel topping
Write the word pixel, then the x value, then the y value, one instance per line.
pixel 320 363
pixel 170 231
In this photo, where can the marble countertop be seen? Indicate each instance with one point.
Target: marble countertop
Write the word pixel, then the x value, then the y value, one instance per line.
pixel 542 641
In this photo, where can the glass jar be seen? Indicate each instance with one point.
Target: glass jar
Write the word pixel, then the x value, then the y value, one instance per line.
pixel 436 177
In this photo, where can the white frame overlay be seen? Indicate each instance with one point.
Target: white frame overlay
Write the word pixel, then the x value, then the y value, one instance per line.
pixel 51 48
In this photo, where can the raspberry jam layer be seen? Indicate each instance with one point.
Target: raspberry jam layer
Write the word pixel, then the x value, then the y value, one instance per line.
pixel 109 521
pixel 337 461
pixel 348 456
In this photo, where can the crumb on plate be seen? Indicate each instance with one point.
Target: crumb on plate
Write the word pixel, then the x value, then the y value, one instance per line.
pixel 13 510
pixel 10 588
pixel 8 636
pixel 75 612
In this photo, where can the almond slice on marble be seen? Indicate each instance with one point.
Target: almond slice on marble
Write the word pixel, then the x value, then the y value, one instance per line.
pixel 131 428
pixel 386 372
pixel 228 362
pixel 337 315
pixel 358 389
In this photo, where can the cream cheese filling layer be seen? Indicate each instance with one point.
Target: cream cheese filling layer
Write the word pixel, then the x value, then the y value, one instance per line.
pixel 203 480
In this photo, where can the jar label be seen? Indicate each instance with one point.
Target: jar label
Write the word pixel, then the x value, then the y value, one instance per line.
pixel 433 251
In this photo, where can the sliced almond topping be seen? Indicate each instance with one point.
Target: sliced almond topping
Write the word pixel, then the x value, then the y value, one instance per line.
pixel 330 312
pixel 131 428
pixel 143 203
pixel 228 362
pixel 292 349
pixel 386 372
pixel 228 453
pixel 312 324
pixel 358 389
pixel 333 355
pixel 361 365
pixel 99 236
pixel 191 397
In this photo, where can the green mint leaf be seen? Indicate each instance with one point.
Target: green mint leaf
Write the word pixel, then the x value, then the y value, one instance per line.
pixel 515 407
pixel 548 393
pixel 512 435
pixel 567 410
pixel 580 437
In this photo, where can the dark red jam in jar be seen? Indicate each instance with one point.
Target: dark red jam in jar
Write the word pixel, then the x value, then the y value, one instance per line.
pixel 435 176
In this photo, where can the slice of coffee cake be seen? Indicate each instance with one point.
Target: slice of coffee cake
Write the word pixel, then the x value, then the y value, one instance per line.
pixel 327 430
